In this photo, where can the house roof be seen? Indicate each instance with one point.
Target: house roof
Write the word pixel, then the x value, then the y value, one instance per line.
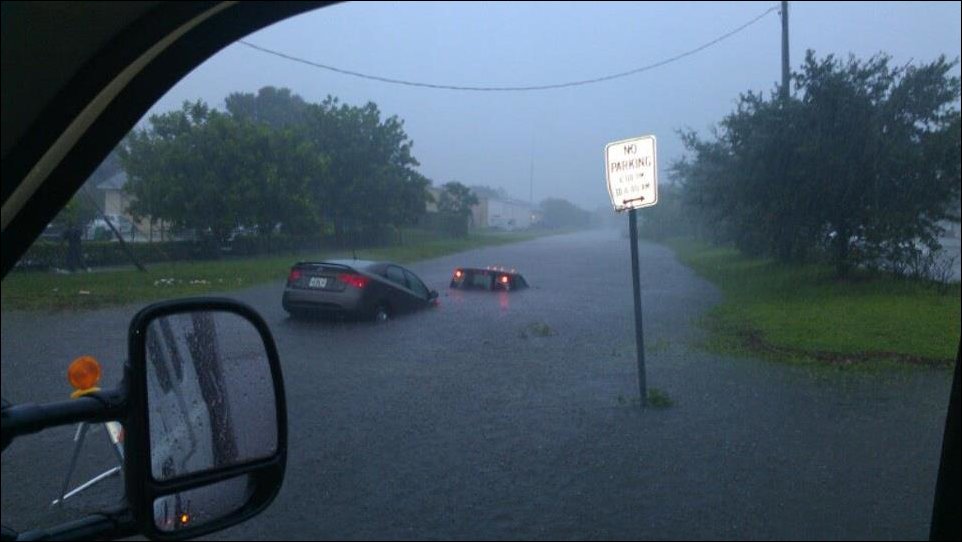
pixel 114 182
pixel 512 201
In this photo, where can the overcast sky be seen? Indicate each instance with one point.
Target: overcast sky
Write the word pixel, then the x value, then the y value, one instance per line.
pixel 491 138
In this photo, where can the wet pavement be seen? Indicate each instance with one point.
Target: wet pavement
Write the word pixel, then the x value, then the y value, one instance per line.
pixel 501 416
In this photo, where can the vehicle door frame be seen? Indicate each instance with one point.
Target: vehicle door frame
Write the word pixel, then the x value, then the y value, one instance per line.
pixel 72 133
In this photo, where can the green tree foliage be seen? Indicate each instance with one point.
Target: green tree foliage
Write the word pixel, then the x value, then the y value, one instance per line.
pixel 561 213
pixel 211 172
pixel 411 198
pixel 861 165
pixel 78 212
pixel 81 210
pixel 669 218
pixel 372 180
pixel 456 199
pixel 278 108
pixel 274 162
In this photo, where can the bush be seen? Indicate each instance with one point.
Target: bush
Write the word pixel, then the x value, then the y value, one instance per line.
pixel 448 224
pixel 49 254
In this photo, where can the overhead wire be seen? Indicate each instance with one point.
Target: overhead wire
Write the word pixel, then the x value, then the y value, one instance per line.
pixel 524 88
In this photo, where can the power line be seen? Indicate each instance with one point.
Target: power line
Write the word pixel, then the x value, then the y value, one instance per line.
pixel 509 89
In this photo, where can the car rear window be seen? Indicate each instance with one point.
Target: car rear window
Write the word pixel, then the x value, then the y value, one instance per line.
pixel 415 284
pixel 478 279
pixel 396 275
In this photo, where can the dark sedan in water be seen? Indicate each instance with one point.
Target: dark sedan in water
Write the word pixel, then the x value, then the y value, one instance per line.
pixel 355 288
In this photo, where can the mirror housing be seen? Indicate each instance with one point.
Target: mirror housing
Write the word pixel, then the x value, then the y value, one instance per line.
pixel 252 474
pixel 248 483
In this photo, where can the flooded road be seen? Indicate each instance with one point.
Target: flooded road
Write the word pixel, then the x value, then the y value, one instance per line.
pixel 505 416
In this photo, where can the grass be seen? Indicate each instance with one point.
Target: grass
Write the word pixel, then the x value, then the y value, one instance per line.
pixel 51 291
pixel 657 347
pixel 656 399
pixel 659 399
pixel 803 313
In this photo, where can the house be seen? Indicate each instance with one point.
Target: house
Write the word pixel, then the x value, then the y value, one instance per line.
pixel 432 206
pixel 490 212
pixel 116 201
pixel 503 213
pixel 117 208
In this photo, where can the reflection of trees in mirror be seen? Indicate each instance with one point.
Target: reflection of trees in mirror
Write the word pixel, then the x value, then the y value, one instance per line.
pixel 204 349
pixel 224 377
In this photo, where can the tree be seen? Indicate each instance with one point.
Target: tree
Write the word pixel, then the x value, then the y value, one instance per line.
pixel 561 213
pixel 78 212
pixel 861 165
pixel 411 199
pixel 205 170
pixel 372 182
pixel 280 115
pixel 746 183
pixel 456 199
pixel 273 161
pixel 277 107
pixel 671 217
pixel 454 208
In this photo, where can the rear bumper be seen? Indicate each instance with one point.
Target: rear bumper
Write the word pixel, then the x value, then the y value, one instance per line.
pixel 347 302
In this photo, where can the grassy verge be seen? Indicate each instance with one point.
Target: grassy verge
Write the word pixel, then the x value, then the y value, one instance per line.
pixel 803 313
pixel 657 399
pixel 177 279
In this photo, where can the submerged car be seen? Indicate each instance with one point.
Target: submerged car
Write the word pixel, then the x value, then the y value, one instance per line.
pixel 488 278
pixel 354 288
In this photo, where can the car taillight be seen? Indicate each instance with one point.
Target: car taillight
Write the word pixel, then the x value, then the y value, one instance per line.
pixel 357 281
pixel 458 273
pixel 295 274
pixel 504 279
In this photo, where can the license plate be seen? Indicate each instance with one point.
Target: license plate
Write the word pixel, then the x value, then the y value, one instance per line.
pixel 318 282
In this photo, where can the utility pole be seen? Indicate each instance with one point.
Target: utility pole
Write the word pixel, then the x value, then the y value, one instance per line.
pixel 785 74
pixel 531 175
pixel 531 183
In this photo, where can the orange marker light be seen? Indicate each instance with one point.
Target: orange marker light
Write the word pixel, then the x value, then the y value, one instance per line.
pixel 184 519
pixel 83 373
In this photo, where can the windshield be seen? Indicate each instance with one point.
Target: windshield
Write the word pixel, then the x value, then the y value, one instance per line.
pixel 785 373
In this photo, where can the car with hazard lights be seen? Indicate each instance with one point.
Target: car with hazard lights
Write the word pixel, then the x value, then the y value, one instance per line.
pixel 359 289
pixel 489 279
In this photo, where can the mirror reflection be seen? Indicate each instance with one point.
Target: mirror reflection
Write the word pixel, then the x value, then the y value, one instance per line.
pixel 210 393
pixel 195 507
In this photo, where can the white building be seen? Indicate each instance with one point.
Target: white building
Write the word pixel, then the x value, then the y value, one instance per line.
pixel 505 214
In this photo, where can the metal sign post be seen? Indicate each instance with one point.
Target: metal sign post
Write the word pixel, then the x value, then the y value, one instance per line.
pixel 631 173
pixel 636 286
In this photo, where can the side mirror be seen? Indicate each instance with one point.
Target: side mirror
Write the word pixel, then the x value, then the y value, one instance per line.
pixel 206 444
